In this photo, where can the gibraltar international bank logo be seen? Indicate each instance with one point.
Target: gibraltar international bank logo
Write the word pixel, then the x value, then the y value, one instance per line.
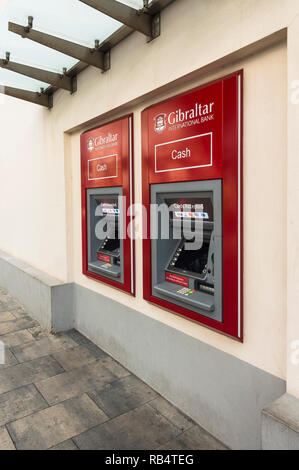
pixel 90 145
pixel 160 123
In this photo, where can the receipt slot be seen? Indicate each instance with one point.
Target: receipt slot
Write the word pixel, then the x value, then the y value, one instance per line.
pixel 192 189
pixel 107 193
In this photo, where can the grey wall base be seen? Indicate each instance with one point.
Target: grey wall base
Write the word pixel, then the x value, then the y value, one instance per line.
pixel 220 392
pixel 48 300
pixel 280 424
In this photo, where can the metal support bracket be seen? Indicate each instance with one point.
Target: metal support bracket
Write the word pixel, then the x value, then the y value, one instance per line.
pixel 107 61
pixel 30 24
pixel 156 26
pixel 50 101
pixel 7 58
pixel 74 84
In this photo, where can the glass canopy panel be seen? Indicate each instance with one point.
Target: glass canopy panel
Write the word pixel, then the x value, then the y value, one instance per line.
pixel 68 19
pixel 133 3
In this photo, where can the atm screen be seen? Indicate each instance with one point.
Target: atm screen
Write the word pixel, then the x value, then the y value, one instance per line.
pixel 193 260
pixel 112 241
pixel 111 244
pixel 191 208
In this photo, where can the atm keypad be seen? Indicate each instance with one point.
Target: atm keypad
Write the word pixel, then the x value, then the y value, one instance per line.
pixel 186 291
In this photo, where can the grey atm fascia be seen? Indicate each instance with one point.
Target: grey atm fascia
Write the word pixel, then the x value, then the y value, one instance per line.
pixel 163 250
pixel 95 266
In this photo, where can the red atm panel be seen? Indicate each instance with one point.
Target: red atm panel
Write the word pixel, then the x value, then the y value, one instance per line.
pixel 107 193
pixel 192 157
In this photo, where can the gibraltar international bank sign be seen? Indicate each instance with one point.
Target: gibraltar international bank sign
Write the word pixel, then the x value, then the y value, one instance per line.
pixel 186 131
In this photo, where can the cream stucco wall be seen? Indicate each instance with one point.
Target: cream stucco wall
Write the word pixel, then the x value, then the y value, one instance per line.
pixel 292 212
pixel 264 234
pixel 2 4
pixel 32 191
pixel 40 158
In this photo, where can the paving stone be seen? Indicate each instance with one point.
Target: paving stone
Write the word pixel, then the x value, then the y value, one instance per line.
pixel 195 438
pixel 54 425
pixel 7 302
pixel 9 359
pixel 66 445
pixel 74 357
pixel 20 312
pixel 83 341
pixel 5 440
pixel 115 367
pixel 5 297
pixel 42 346
pixel 172 413
pixel 28 372
pixel 93 376
pixel 141 419
pixel 6 316
pixel 122 396
pixel 143 428
pixel 19 403
pixel 15 325
pixel 38 331
pixel 14 339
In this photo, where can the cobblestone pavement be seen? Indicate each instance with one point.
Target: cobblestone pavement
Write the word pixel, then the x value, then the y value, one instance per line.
pixel 63 392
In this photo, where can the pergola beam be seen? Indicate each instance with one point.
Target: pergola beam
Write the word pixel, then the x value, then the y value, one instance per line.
pixel 93 57
pixel 55 79
pixel 26 95
pixel 138 20
pixel 154 8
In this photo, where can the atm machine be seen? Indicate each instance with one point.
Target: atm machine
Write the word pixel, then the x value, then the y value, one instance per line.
pixel 107 193
pixel 105 243
pixel 192 189
pixel 187 264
